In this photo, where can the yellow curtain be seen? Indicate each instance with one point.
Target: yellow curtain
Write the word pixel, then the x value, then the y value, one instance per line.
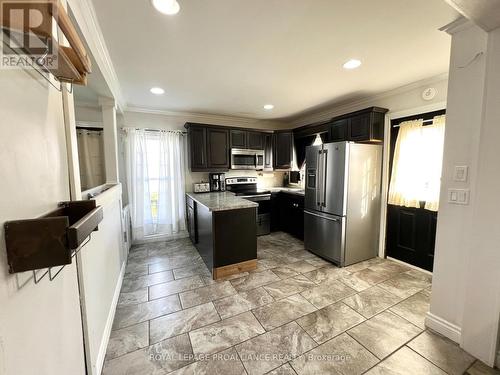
pixel 416 171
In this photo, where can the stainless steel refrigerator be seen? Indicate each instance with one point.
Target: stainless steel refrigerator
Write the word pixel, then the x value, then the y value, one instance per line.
pixel 342 201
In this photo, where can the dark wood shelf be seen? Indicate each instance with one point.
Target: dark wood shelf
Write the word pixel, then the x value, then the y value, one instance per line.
pixel 50 240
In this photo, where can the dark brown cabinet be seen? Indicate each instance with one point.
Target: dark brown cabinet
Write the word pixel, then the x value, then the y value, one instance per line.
pixel 217 149
pixel 247 139
pixel 255 141
pixel 208 148
pixel 287 214
pixel 338 130
pixel 268 151
pixel 198 147
pixel 362 126
pixel 238 139
pixel 191 220
pixel 283 150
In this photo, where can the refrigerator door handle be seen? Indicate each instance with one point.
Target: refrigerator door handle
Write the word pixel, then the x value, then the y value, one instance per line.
pixel 319 178
pixel 337 220
pixel 325 169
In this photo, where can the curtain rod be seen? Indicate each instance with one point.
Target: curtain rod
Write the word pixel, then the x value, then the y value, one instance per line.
pixel 426 122
pixel 159 130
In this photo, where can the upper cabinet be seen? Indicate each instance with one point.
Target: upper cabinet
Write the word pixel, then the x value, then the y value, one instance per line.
pixel 283 150
pixel 366 125
pixel 362 126
pixel 208 148
pixel 217 149
pixel 239 138
pixel 247 139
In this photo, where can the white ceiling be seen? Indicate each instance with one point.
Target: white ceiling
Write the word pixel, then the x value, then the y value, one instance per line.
pixel 233 56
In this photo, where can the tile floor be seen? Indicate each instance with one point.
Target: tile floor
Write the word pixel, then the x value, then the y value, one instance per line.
pixel 296 314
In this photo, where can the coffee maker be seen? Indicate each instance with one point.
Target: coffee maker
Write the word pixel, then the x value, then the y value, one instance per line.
pixel 217 181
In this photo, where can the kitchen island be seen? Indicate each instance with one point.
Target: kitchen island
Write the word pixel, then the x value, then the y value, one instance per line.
pixel 222 228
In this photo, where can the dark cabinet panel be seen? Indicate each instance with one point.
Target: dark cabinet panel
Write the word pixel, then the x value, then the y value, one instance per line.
pixel 338 130
pixel 359 127
pixel 287 214
pixel 268 151
pixel 283 150
pixel 198 148
pixel 239 139
pixel 191 220
pixel 217 148
pixel 255 141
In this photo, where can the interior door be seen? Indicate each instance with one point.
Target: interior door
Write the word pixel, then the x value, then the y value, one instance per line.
pixel 333 180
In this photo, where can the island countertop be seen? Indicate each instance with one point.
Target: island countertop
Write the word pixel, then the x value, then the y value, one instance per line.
pixel 221 201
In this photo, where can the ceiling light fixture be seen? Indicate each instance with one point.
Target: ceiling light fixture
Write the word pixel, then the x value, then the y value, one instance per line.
pixel 169 7
pixel 268 107
pixel 157 91
pixel 352 64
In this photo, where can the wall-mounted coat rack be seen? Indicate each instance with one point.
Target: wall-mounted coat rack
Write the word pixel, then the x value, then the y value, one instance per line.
pixel 51 240
pixel 73 62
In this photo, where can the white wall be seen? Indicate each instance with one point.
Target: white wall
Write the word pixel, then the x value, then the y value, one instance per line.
pixel 176 122
pixel 101 267
pixel 398 100
pixel 40 325
pixel 465 304
pixel 464 115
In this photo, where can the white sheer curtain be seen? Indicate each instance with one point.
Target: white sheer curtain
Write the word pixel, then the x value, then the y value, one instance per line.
pixel 155 182
pixel 418 159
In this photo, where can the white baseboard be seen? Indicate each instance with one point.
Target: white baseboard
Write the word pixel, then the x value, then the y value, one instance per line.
pixel 109 322
pixel 443 327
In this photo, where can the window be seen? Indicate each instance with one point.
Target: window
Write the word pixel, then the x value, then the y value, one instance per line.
pixel 416 171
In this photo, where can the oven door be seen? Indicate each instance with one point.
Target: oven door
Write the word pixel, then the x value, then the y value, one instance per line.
pixel 263 219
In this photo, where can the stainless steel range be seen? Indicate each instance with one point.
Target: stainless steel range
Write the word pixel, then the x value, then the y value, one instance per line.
pixel 246 187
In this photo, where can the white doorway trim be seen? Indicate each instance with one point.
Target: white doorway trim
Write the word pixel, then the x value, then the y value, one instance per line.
pixel 385 164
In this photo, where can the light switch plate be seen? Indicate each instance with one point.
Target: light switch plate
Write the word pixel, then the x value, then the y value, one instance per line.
pixel 461 173
pixel 458 196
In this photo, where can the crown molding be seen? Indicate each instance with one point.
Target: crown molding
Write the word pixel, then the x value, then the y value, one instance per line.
pixel 461 23
pixel 204 117
pixel 85 15
pixel 337 109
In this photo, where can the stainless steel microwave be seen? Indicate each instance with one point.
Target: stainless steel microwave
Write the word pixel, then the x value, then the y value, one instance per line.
pixel 247 159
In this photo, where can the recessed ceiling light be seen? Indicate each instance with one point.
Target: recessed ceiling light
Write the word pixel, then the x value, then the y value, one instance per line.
pixel 352 64
pixel 169 7
pixel 268 107
pixel 157 91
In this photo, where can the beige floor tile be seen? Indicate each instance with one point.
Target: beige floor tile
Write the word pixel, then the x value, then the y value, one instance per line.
pixel 286 369
pixel 341 355
pixel 405 361
pixel 175 286
pixel 206 294
pixel 384 333
pixel 223 363
pixel 404 285
pixel 284 288
pixel 127 340
pixel 283 311
pixel 269 351
pixel 442 352
pixel 242 302
pixel 324 324
pixel 224 334
pixel 254 280
pixel 414 309
pixel 182 321
pixel 327 293
pixel 479 368
pixel 371 301
pixel 324 274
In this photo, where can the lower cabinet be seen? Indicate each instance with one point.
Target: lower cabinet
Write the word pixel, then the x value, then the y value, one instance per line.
pixel 287 214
